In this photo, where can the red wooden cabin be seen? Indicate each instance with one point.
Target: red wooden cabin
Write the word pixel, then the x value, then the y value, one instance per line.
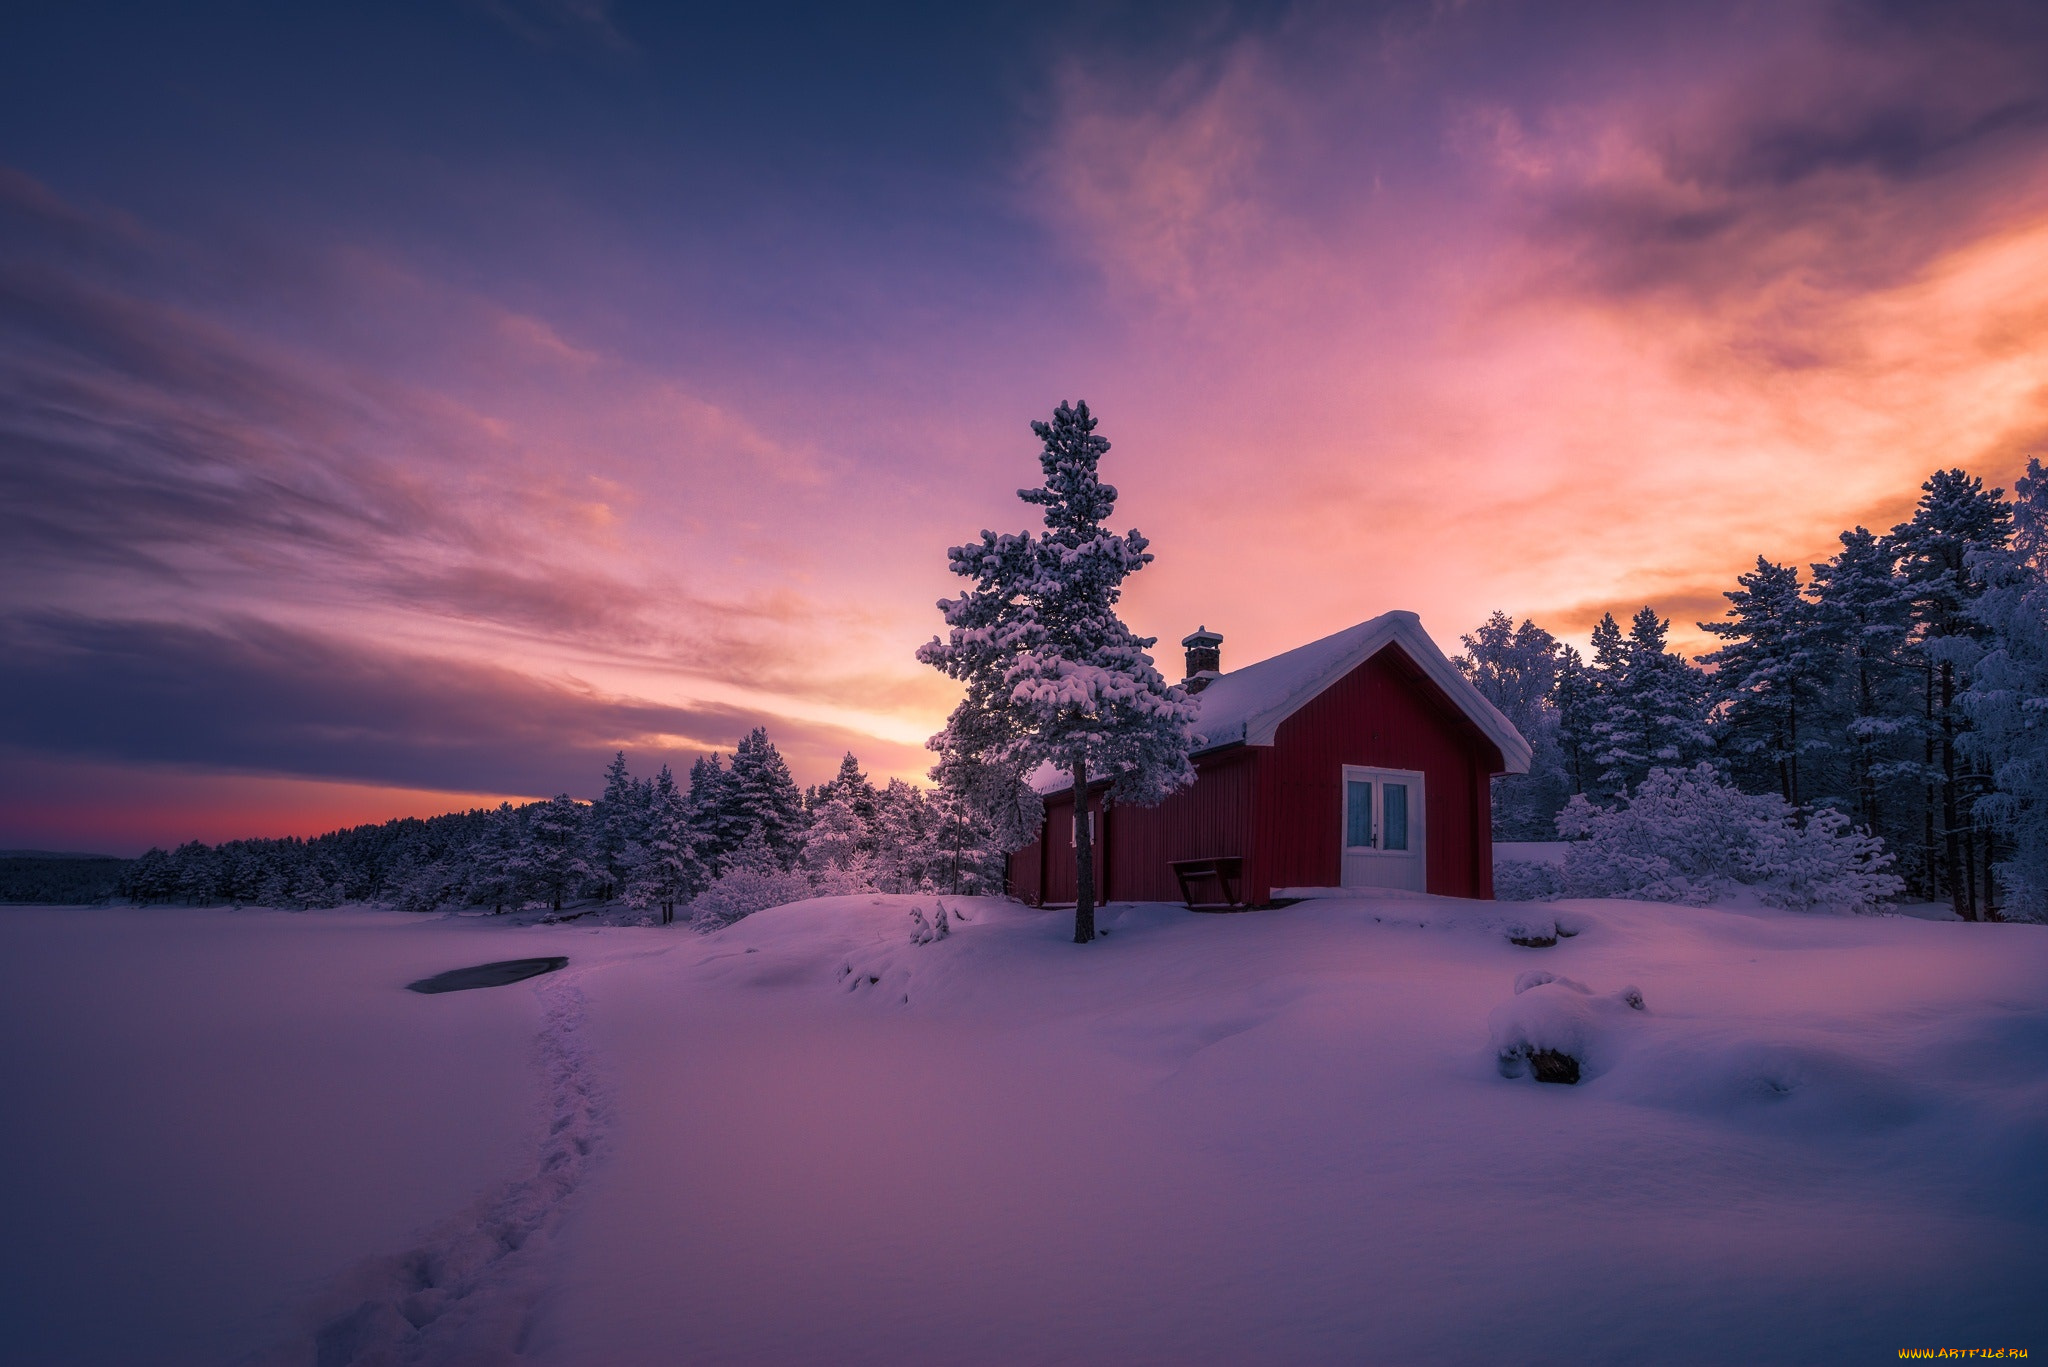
pixel 1360 760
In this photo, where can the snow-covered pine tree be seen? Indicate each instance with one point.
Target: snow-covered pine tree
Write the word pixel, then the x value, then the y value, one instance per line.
pixel 967 859
pixel 1516 669
pixel 1053 675
pixel 663 868
pixel 2007 698
pixel 1574 698
pixel 903 838
pixel 1861 619
pixel 715 820
pixel 150 879
pixel 1651 709
pixel 848 784
pixel 1769 679
pixel 553 856
pixel 1610 714
pixel 1956 520
pixel 493 881
pixel 765 799
pixel 616 825
pixel 838 840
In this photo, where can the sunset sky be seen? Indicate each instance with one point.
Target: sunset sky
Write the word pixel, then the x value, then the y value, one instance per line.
pixel 404 406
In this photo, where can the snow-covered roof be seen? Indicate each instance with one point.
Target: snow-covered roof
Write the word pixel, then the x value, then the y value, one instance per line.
pixel 1246 706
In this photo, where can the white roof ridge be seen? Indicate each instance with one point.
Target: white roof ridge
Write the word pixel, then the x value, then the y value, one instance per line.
pixel 1247 705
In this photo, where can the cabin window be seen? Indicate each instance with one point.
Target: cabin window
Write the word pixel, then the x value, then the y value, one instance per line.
pixel 1358 815
pixel 1383 814
pixel 1074 831
pixel 1394 818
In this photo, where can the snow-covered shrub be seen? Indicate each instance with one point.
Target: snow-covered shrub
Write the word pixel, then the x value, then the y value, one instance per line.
pixel 754 881
pixel 1525 880
pixel 842 882
pixel 1684 835
pixel 924 932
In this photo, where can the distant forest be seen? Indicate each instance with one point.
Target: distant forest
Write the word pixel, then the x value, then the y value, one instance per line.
pixel 740 830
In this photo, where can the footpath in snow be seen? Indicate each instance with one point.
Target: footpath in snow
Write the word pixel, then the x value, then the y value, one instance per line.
pixel 829 1134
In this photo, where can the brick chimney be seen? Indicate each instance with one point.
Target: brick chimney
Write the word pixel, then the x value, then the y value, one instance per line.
pixel 1205 659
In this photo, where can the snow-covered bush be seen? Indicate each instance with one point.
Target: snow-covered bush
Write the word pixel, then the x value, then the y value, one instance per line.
pixel 1525 880
pixel 842 882
pixel 1684 835
pixel 754 881
pixel 924 932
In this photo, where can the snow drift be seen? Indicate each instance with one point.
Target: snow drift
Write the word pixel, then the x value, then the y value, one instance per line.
pixel 828 1132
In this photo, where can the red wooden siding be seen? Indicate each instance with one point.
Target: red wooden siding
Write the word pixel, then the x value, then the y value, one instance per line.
pixel 1386 714
pixel 1279 806
pixel 1214 817
pixel 1054 857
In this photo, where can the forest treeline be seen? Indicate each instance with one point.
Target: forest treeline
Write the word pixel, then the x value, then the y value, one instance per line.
pixel 741 835
pixel 1902 682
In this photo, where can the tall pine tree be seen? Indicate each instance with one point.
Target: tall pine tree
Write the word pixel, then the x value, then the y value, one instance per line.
pixel 2007 698
pixel 765 799
pixel 1956 520
pixel 1769 678
pixel 1650 708
pixel 1861 622
pixel 1053 675
pixel 1516 669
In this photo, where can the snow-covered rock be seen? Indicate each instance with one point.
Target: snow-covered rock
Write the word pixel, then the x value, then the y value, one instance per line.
pixel 1553 1018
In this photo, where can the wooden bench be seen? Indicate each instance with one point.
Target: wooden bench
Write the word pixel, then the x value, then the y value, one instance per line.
pixel 1227 871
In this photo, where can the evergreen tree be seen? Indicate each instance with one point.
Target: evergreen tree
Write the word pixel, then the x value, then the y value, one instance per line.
pixel 765 799
pixel 715 823
pixel 966 857
pixel 152 878
pixel 616 826
pixel 1575 699
pixel 849 785
pixel 2007 698
pixel 1956 522
pixel 1861 620
pixel 1770 677
pixel 1516 669
pixel 493 880
pixel 552 857
pixel 839 839
pixel 903 838
pixel 662 866
pixel 1053 675
pixel 1651 707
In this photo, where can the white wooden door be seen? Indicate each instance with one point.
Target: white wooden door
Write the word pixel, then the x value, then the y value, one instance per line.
pixel 1385 839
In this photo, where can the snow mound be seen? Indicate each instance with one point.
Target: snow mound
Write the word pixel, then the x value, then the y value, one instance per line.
pixel 1554 1019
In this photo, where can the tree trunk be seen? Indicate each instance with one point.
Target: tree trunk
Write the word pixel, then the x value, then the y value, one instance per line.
pixel 1932 864
pixel 1792 726
pixel 1962 888
pixel 1084 859
pixel 1990 852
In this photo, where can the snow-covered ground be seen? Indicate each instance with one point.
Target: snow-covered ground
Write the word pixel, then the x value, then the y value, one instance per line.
pixel 1277 1137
